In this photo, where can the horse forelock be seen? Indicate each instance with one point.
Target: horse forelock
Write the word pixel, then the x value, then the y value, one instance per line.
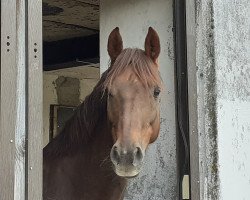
pixel 142 66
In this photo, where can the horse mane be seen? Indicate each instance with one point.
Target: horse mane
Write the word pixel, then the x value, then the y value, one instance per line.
pixel 81 127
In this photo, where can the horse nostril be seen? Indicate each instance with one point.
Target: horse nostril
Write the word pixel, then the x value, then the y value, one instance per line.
pixel 115 158
pixel 138 156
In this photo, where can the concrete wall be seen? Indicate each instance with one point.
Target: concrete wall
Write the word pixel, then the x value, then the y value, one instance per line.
pixel 66 87
pixel 232 60
pixel 223 90
pixel 158 179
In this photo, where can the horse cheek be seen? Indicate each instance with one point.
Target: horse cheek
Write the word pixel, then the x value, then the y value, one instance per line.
pixel 155 131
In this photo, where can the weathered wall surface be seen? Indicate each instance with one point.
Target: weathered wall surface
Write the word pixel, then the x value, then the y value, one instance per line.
pixel 66 87
pixel 158 179
pixel 206 100
pixel 232 60
pixel 223 89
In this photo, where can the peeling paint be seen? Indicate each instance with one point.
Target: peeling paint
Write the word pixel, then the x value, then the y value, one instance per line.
pixel 68 91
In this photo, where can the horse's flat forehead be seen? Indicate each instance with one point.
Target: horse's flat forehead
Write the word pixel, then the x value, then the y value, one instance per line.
pixel 132 93
pixel 128 78
pixel 128 84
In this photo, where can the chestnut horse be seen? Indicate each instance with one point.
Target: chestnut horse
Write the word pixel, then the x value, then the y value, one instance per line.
pixel 104 143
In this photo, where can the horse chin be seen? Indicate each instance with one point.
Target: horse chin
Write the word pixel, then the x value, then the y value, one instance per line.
pixel 127 173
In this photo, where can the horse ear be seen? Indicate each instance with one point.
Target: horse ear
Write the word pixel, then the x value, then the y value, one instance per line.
pixel 152 44
pixel 115 45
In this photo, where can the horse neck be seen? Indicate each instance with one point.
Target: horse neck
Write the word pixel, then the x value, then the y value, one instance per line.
pixel 99 146
pixel 90 158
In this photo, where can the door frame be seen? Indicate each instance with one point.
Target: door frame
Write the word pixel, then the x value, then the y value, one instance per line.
pixel 186 96
pixel 21 97
pixel 192 99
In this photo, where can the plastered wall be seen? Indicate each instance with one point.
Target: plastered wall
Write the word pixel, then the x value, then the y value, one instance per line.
pixel 223 90
pixel 158 179
pixel 66 87
pixel 232 60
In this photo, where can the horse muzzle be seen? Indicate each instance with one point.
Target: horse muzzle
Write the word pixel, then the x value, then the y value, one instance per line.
pixel 127 162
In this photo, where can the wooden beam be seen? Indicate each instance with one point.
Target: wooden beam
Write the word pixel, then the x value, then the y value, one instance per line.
pixel 86 3
pixel 192 99
pixel 34 166
pixel 86 62
pixel 70 50
pixel 8 97
pixel 21 102
pixel 72 26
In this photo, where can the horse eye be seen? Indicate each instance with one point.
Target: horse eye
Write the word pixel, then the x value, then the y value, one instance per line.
pixel 157 91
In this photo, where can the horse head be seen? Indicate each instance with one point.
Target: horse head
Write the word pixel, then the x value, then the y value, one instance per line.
pixel 134 86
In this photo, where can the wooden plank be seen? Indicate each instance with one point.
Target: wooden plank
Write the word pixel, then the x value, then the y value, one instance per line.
pixel 21 102
pixel 34 100
pixel 192 95
pixel 8 99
